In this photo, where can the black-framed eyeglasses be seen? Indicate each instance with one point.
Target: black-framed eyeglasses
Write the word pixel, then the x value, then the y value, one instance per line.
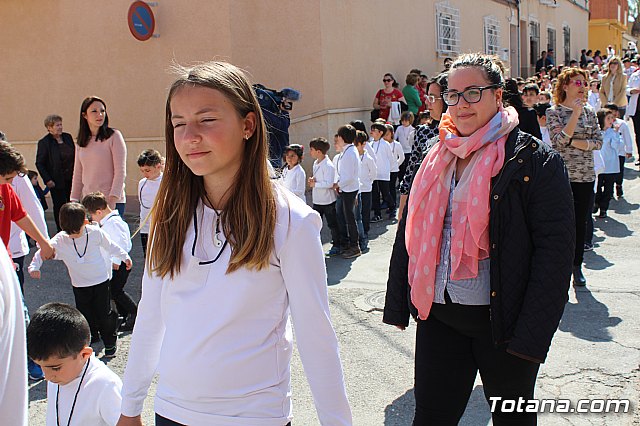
pixel 472 95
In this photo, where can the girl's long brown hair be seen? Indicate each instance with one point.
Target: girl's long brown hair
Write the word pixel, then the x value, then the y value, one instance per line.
pixel 249 214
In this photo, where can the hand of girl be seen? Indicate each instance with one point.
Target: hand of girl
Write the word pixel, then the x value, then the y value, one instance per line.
pixel 129 421
pixel 128 264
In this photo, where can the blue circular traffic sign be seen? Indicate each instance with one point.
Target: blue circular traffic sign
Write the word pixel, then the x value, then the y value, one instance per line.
pixel 141 20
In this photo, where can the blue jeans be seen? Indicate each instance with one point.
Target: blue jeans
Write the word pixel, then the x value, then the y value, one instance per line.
pixel 363 218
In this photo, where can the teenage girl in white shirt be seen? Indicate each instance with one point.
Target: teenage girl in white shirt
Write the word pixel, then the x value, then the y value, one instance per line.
pixel 231 257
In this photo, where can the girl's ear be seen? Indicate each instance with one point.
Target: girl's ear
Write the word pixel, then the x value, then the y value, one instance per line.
pixel 249 124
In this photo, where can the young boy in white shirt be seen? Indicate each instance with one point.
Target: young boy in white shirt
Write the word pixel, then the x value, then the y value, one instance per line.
pixel 626 151
pixel 322 193
pixel 86 250
pixel 368 171
pixel 81 389
pixel 405 135
pixel 384 158
pixel 347 185
pixel 398 156
pixel 150 164
pixel 117 229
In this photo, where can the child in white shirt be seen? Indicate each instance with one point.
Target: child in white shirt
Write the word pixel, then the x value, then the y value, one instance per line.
pixel 611 144
pixel 405 135
pixel 626 150
pixel 150 163
pixel 86 251
pixel 398 156
pixel 293 175
pixel 384 159
pixel 368 171
pixel 322 194
pixel 594 95
pixel 117 229
pixel 81 389
pixel 348 185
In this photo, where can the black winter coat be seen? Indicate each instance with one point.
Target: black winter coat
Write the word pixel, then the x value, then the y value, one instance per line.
pixel 532 237
pixel 48 161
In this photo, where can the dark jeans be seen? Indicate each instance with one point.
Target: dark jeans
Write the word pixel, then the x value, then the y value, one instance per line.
pixel 125 303
pixel 452 345
pixel 588 236
pixel 162 421
pixel 20 271
pixel 620 175
pixel 381 188
pixel 143 239
pixel 363 217
pixel 59 196
pixel 329 211
pixel 347 219
pixel 392 188
pixel 94 303
pixel 636 128
pixel 582 192
pixel 604 191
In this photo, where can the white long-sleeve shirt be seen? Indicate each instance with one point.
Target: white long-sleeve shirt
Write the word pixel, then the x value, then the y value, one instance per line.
pixel 324 173
pixel 221 343
pixel 384 158
pixel 633 83
pixel 18 241
pixel 625 134
pixel 89 260
pixel 347 169
pixel 398 156
pixel 594 100
pixel 368 172
pixel 118 232
pixel 295 180
pixel 405 135
pixel 98 402
pixel 147 190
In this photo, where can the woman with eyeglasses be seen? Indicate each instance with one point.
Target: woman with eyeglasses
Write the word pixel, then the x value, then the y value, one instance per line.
pixel 483 253
pixel 424 135
pixel 384 97
pixel 575 133
pixel 613 87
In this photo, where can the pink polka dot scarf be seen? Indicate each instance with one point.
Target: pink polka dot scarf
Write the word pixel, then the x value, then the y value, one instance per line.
pixel 470 206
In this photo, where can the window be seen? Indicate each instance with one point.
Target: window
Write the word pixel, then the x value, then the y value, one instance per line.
pixel 566 32
pixel 534 41
pixel 551 39
pixel 447 29
pixel 491 35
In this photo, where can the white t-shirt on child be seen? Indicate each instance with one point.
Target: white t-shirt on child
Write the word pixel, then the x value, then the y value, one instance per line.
pixel 147 190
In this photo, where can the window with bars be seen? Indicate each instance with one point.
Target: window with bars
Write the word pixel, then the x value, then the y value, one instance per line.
pixel 551 39
pixel 566 32
pixel 491 35
pixel 447 29
pixel 534 41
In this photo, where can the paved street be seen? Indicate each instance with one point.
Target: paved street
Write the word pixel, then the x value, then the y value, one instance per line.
pixel 594 355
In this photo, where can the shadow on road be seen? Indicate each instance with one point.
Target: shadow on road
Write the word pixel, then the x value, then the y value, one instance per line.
pixel 588 319
pixel 612 228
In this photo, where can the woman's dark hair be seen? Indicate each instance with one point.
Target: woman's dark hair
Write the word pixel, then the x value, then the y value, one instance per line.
pixel 57 329
pixel 492 66
pixel 84 133
pixel 511 95
pixel 441 80
pixel 31 174
pixel 395 83
pixel 359 125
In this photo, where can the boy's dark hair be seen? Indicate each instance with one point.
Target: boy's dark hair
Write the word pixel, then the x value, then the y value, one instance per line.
pixel 72 217
pixel 612 107
pixel 531 87
pixel 361 137
pixel 546 94
pixel 296 148
pixel 379 126
pixel 602 114
pixel 149 157
pixel 320 144
pixel 541 108
pixel 389 128
pixel 347 133
pixel 407 116
pixel 31 174
pixel 10 159
pixel 57 329
pixel 94 202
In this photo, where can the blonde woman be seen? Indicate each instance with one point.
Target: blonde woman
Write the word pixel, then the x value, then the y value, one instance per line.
pixel 233 260
pixel 613 87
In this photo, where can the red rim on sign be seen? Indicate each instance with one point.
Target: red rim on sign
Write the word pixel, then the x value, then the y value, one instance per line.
pixel 141 20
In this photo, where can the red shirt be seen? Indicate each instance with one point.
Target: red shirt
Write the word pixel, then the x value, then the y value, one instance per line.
pixel 423 98
pixel 385 99
pixel 11 210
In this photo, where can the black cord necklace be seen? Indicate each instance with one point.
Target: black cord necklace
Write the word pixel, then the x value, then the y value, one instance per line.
pixel 216 239
pixel 75 398
pixel 86 244
pixel 141 188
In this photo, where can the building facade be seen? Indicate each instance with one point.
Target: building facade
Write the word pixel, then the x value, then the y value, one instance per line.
pixel 334 52
pixel 608 25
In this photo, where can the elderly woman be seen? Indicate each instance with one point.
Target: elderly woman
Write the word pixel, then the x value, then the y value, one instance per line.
pixel 484 249
pixel 54 161
pixel 101 156
pixel 575 133
pixel 613 87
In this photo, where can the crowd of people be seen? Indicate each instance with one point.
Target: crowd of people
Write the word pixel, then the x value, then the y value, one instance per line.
pixel 452 158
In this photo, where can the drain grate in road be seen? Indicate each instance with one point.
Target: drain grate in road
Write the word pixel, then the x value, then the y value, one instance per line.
pixel 371 302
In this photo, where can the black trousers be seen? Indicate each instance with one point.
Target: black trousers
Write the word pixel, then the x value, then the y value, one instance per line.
pixel 20 271
pixel 392 189
pixel 636 128
pixel 143 239
pixel 347 219
pixel 604 190
pixel 452 345
pixel 381 188
pixel 124 302
pixel 620 175
pixel 59 196
pixel 163 421
pixel 588 236
pixel 329 211
pixel 582 192
pixel 94 303
pixel 403 167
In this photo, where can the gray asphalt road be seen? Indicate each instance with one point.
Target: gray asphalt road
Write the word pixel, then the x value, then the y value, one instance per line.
pixel 595 354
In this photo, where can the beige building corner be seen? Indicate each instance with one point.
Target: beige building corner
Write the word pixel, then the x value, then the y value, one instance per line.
pixel 333 52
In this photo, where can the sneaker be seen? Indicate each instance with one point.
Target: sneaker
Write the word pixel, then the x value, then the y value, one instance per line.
pixel 34 370
pixel 588 246
pixel 619 192
pixel 351 253
pixel 376 219
pixel 335 250
pixel 110 352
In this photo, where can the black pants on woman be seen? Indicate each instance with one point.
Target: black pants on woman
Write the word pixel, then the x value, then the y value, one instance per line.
pixel 59 196
pixel 452 345
pixel 636 128
pixel 582 193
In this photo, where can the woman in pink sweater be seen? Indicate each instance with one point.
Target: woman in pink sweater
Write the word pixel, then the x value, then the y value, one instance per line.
pixel 101 156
